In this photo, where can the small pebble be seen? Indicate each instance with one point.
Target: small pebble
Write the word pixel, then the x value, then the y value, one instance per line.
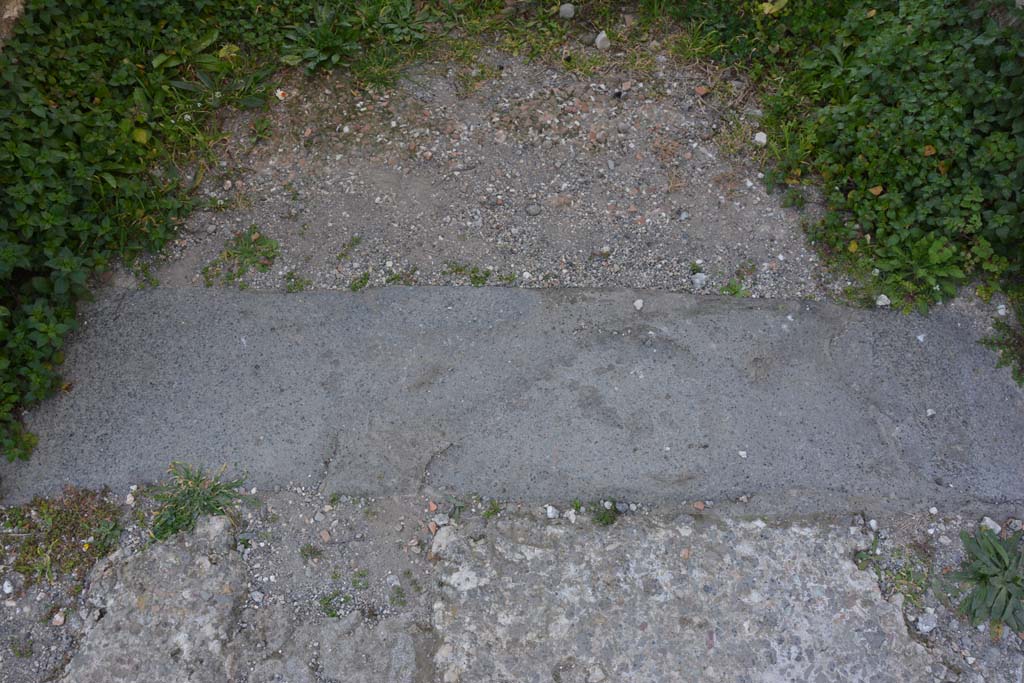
pixel 760 139
pixel 638 304
pixel 567 11
pixel 533 210
pixel 602 42
pixel 991 524
pixel 882 301
pixel 551 511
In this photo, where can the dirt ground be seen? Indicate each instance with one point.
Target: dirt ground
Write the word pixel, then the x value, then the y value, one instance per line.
pixel 504 172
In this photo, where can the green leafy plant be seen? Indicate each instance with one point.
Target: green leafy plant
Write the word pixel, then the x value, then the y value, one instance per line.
pixel 327 41
pixel 246 250
pixel 189 494
pixel 994 568
pixel 911 115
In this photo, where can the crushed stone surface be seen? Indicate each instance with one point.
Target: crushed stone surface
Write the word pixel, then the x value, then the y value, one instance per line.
pixel 533 176
pixel 314 587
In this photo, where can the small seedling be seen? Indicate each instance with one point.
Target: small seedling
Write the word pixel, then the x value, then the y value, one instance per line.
pixel 361 580
pixel 1008 340
pixel 360 282
pixel 605 515
pixel 310 552
pixel 245 251
pixel 294 282
pixel 493 509
pixel 577 505
pixel 329 603
pixel 397 597
pixel 189 494
pixel 477 277
pixel 21 648
pixel 262 127
pixel 735 287
pixel 346 250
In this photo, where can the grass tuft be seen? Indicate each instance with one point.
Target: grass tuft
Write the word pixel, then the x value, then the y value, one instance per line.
pixel 190 494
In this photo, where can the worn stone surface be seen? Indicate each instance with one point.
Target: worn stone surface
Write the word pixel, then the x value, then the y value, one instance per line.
pixel 165 614
pixel 536 395
pixel 508 594
pixel 685 600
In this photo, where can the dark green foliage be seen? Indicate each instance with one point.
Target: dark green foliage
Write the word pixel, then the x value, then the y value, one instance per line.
pixel 327 41
pixel 912 113
pixel 995 570
pixel 190 494
pixel 99 98
pixel 104 104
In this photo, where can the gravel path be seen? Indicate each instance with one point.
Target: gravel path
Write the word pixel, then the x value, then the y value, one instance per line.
pixel 532 176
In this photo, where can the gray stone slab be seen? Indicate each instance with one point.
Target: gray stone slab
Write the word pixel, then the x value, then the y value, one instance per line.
pixel 535 395
pixel 657 602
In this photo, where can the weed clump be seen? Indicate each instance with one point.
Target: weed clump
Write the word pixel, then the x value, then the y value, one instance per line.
pixel 994 571
pixel 190 494
pixel 63 536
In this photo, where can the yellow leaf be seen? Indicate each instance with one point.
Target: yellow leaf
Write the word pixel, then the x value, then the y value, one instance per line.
pixel 228 52
pixel 853 247
pixel 140 135
pixel 876 190
pixel 773 7
pixel 929 151
pixel 872 12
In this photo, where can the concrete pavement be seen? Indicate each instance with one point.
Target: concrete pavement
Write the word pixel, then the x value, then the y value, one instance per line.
pixel 535 395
